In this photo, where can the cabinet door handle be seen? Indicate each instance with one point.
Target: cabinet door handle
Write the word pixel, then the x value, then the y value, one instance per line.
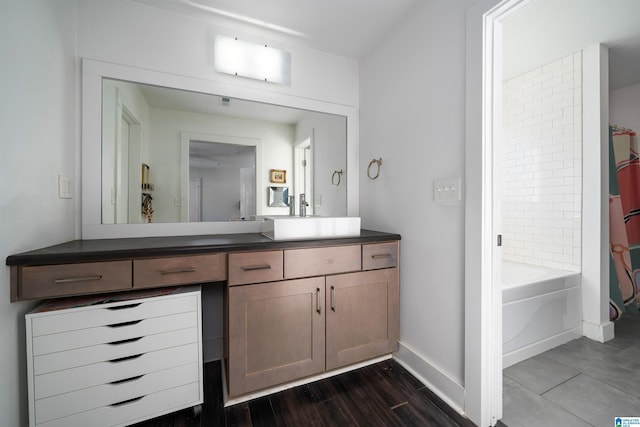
pixel 381 256
pixel 255 267
pixel 77 279
pixel 333 298
pixel 318 308
pixel 178 271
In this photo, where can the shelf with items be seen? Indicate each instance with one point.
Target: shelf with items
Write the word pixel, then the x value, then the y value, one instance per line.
pixel 147 189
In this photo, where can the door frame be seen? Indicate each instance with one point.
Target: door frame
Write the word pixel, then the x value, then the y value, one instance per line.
pixel 483 292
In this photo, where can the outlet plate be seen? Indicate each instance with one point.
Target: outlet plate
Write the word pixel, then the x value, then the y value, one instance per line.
pixel 447 190
pixel 64 187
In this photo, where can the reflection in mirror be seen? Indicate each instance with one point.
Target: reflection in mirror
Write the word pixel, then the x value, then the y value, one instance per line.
pixel 216 172
pixel 190 140
pixel 279 196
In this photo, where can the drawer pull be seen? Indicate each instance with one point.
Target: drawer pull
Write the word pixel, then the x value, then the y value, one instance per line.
pixel 126 380
pixel 124 341
pixel 381 256
pixel 77 279
pixel 256 267
pixel 318 308
pixel 124 307
pixel 124 402
pixel 178 271
pixel 333 298
pixel 124 359
pixel 120 325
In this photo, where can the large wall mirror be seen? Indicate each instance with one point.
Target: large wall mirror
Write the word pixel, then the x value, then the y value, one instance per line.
pixel 167 155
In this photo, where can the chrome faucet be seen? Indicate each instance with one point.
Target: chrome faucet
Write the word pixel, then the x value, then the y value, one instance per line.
pixel 292 205
pixel 303 205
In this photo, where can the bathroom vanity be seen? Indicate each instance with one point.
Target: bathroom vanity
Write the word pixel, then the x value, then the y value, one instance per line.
pixel 292 309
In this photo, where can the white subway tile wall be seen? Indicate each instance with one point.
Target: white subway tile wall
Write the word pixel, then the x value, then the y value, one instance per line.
pixel 542 165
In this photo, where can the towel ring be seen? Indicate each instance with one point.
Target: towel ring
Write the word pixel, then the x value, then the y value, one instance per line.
pixel 378 162
pixel 339 175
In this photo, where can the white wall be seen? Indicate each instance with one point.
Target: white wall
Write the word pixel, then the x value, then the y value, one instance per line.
pixel 624 107
pixel 133 34
pixel 542 165
pixel 37 134
pixel 595 194
pixel 413 116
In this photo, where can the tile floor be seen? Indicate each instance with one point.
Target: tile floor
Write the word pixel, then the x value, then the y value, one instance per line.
pixel 581 383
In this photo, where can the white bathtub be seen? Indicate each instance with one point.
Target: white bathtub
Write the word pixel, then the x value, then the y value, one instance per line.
pixel 541 309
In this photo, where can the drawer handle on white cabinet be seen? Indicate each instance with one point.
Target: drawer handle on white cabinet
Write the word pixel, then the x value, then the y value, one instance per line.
pixel 178 271
pixel 318 308
pixel 124 307
pixel 381 256
pixel 333 298
pixel 126 380
pixel 120 325
pixel 124 359
pixel 124 402
pixel 76 279
pixel 127 341
pixel 256 267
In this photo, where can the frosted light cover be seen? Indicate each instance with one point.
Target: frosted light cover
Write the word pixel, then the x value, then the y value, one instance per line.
pixel 255 61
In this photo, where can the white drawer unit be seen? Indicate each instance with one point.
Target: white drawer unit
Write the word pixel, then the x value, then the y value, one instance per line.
pixel 114 360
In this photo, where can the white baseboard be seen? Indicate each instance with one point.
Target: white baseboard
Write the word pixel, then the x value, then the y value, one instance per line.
pixel 235 400
pixel 601 333
pixel 538 347
pixel 445 387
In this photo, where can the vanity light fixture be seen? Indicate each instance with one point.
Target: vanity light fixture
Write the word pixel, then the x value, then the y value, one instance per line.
pixel 255 61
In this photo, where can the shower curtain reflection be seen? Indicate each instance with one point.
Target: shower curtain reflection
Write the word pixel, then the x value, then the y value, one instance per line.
pixel 624 220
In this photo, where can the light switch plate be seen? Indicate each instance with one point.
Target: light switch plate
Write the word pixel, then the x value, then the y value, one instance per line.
pixel 447 190
pixel 64 187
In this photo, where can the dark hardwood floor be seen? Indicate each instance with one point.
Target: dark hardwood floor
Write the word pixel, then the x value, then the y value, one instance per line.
pixel 384 394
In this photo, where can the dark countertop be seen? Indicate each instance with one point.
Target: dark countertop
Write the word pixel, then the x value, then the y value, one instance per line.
pixel 142 247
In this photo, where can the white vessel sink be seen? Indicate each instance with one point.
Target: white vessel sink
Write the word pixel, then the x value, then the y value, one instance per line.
pixel 310 227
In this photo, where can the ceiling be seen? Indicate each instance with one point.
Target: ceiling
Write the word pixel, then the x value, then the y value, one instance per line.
pixel 348 28
pixel 204 103
pixel 546 30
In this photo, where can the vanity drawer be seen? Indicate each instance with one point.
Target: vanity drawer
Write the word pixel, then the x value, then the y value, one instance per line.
pixel 63 341
pixel 82 377
pixel 67 359
pixel 111 313
pixel 46 281
pixel 151 273
pixel 379 255
pixel 255 267
pixel 126 412
pixel 321 261
pixel 112 393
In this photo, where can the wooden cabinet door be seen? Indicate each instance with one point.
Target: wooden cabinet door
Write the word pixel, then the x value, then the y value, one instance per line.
pixel 362 316
pixel 276 333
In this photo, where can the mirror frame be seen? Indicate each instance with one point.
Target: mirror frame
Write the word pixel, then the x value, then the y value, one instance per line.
pixel 93 71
